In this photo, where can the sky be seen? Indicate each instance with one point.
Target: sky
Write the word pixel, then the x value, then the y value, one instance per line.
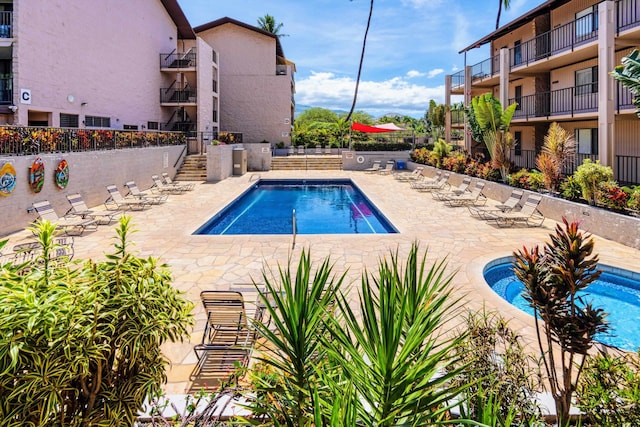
pixel 411 46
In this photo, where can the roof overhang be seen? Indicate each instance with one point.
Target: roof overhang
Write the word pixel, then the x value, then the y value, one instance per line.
pixel 517 23
pixel 177 15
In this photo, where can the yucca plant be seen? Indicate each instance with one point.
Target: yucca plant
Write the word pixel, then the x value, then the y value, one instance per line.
pixel 552 280
pixel 394 353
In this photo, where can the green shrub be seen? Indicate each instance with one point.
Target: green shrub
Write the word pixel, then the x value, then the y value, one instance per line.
pixel 611 196
pixel 80 344
pixel 381 146
pixel 570 189
pixel 589 175
pixel 609 390
pixel 455 162
pixel 529 180
pixel 633 202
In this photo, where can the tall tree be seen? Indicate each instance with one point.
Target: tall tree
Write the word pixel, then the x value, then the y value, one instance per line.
pixel 364 45
pixel 268 23
pixel 507 4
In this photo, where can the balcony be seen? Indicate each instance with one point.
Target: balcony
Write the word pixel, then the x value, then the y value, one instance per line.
pixel 486 69
pixel 6 91
pixel 281 70
pixel 624 98
pixel 563 102
pixel 173 96
pixel 178 61
pixel 567 37
pixel 627 14
pixel 6 25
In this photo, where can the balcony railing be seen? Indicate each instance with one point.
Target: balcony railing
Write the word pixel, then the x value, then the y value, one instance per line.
pixel 281 70
pixel 178 60
pixel 6 25
pixel 565 37
pixel 457 80
pixel 628 14
pixel 6 91
pixel 628 170
pixel 624 98
pixel 457 117
pixel 171 95
pixel 527 159
pixel 569 101
pixel 24 140
pixel 485 69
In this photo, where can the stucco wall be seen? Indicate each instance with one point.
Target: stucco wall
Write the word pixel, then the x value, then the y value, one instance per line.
pixel 89 174
pixel 253 99
pixel 219 162
pixel 104 54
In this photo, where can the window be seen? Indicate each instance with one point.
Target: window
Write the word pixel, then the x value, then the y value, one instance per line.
pixel 517 146
pixel 587 140
pixel 587 81
pixel 130 127
pixel 517 53
pixel 152 125
pixel 586 22
pixel 215 85
pixel 518 97
pixel 97 122
pixel 68 120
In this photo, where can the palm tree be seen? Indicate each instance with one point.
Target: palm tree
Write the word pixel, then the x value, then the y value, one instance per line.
pixel 364 45
pixel 268 23
pixel 507 4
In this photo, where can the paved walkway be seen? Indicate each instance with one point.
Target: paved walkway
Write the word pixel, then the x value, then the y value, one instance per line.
pixel 222 262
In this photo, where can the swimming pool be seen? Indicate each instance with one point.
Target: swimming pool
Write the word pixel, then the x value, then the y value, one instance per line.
pixel 321 207
pixel 617 292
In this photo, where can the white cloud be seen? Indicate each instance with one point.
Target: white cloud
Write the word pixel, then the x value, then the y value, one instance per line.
pixel 431 74
pixel 414 73
pixel 454 68
pixel 327 90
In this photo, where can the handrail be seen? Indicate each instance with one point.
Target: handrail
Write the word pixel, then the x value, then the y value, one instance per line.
pixel 169 54
pixel 166 90
pixel 294 228
pixel 180 156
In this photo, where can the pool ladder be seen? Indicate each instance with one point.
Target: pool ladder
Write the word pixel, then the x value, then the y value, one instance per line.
pixel 294 228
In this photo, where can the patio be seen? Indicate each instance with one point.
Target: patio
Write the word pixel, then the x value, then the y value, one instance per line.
pixel 226 262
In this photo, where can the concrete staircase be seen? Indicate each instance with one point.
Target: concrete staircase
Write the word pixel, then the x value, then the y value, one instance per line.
pixel 320 162
pixel 194 168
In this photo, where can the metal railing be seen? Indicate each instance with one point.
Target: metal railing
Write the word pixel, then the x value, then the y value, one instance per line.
pixel 565 37
pixel 173 95
pixel 6 25
pixel 627 14
pixel 178 59
pixel 18 140
pixel 568 101
pixel 627 170
pixel 485 69
pixel 6 91
pixel 457 80
pixel 457 117
pixel 624 97
pixel 294 228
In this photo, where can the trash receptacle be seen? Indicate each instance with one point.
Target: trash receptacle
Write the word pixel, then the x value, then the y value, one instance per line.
pixel 239 158
pixel 400 165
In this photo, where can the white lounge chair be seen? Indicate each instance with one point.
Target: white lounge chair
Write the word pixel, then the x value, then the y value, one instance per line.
pixel 117 201
pixel 527 215
pixel 162 188
pixel 388 168
pixel 73 225
pixel 445 194
pixel 409 176
pixel 428 185
pixel 80 208
pixel 375 167
pixel 167 180
pixel 154 199
pixel 469 198
pixel 484 212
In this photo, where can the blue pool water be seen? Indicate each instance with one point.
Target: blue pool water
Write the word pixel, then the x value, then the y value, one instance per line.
pixel 321 206
pixel 617 295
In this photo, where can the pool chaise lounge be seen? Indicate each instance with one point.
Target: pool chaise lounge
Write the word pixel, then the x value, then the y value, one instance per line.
pixel 485 212
pixel 469 198
pixel 374 168
pixel 118 201
pixel 154 199
pixel 415 174
pixel 168 181
pixel 427 185
pixel 162 188
pixel 460 189
pixel 73 225
pixel 528 215
pixel 80 208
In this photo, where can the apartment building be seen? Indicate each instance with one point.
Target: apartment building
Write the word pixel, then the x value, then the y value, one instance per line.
pixel 554 62
pixel 257 94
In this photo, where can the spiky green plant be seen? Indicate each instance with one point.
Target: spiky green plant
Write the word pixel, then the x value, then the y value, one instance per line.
pixel 569 324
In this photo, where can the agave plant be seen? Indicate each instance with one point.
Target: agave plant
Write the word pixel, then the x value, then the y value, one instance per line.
pixel 552 279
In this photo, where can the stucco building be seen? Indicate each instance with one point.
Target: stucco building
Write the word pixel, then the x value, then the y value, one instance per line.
pixel 554 61
pixel 139 65
pixel 258 85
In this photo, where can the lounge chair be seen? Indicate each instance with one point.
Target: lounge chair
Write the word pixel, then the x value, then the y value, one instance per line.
pixel 388 168
pixel 154 199
pixel 162 188
pixel 428 185
pixel 527 215
pixel 117 201
pixel 27 253
pixel 469 198
pixel 167 180
pixel 375 167
pixel 80 208
pixel 301 150
pixel 483 212
pixel 460 189
pixel 409 176
pixel 73 225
